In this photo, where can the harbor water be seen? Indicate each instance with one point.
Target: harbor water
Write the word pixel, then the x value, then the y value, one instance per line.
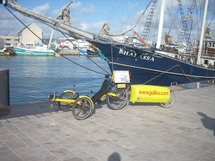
pixel 33 78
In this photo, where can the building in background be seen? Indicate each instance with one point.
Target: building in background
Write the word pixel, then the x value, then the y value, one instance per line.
pixel 27 38
pixel 24 37
pixel 7 41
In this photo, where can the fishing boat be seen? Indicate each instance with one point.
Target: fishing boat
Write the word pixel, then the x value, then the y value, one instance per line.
pixel 38 50
pixel 1 52
pixel 146 65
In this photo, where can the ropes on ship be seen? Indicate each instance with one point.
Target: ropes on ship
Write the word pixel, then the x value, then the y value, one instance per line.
pixel 177 65
pixel 105 29
pixel 58 52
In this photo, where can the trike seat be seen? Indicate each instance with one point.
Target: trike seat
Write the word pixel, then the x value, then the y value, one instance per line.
pixel 103 90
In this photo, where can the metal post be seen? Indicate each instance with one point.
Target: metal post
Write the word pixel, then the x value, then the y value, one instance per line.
pixel 4 88
pixel 160 29
pixel 198 85
pixel 198 61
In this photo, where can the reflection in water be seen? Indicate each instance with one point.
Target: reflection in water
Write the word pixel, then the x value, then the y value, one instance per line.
pixel 33 78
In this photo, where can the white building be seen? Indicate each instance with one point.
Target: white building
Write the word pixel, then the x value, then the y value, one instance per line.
pixel 27 38
pixel 7 41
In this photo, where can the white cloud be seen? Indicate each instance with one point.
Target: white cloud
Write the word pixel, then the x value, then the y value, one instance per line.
pixel 75 5
pixel 93 28
pixel 43 10
pixel 124 20
pixel 10 25
pixel 88 10
pixel 5 15
pixel 133 5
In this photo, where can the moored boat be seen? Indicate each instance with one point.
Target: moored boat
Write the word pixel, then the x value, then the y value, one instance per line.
pixel 38 50
pixel 8 51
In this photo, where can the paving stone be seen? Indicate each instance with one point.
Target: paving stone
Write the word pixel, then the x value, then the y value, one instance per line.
pixel 74 159
pixel 15 143
pixel 8 156
pixel 3 147
pixel 50 145
pixel 91 159
pixel 62 153
pixel 30 143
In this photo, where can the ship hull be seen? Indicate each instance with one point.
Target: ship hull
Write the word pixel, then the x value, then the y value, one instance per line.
pixel 149 67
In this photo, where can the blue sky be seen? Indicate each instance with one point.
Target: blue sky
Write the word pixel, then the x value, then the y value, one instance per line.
pixel 90 15
pixel 86 14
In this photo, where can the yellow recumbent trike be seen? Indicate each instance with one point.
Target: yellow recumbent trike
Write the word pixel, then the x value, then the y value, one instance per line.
pixel 83 106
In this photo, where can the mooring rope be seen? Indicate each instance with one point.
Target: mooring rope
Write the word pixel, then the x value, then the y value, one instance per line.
pixel 56 51
pixel 81 51
pixel 177 65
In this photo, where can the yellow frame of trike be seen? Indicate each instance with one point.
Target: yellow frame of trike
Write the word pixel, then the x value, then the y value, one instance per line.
pixel 70 101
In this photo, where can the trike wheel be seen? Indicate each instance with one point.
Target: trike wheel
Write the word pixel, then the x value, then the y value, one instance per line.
pixel 171 101
pixel 82 108
pixel 64 106
pixel 118 100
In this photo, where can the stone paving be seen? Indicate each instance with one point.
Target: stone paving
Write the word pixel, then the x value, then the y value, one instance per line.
pixel 140 132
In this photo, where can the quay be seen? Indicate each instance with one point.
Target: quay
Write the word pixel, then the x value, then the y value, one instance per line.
pixel 139 132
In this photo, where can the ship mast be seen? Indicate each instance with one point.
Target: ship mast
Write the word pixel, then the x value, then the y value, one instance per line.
pixel 160 29
pixel 198 61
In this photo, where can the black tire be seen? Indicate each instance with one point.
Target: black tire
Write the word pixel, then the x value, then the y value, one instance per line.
pixel 64 106
pixel 82 108
pixel 117 103
pixel 171 101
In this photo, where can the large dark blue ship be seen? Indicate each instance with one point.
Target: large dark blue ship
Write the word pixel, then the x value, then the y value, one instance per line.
pixel 151 67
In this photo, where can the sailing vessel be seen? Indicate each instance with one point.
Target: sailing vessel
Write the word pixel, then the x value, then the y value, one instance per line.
pixel 146 65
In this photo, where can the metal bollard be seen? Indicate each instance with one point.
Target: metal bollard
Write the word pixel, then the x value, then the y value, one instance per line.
pixel 4 88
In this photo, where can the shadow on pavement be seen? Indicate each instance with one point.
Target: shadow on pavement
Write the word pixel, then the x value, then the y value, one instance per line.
pixel 208 122
pixel 114 157
pixel 26 109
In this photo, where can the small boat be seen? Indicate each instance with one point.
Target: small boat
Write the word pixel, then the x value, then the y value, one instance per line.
pixel 92 53
pixel 8 51
pixel 90 50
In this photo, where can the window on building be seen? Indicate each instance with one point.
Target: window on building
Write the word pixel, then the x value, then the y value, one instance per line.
pixel 206 62
pixel 29 45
